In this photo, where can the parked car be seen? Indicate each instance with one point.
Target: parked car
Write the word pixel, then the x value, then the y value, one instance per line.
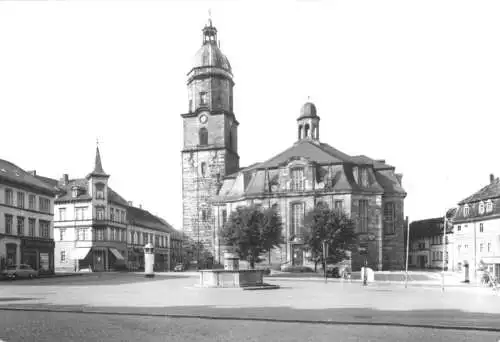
pixel 19 271
pixel 179 268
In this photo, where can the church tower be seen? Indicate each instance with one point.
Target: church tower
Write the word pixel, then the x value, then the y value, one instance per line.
pixel 210 140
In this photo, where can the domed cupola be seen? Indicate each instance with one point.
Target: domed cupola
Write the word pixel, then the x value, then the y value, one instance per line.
pixel 308 122
pixel 209 56
pixel 210 80
pixel 308 110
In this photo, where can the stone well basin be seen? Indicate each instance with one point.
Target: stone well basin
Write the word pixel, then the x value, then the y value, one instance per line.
pixel 231 278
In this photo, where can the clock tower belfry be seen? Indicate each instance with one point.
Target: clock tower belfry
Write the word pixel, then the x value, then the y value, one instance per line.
pixel 210 140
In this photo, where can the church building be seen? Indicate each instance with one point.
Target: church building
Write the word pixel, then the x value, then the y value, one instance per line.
pixel 293 182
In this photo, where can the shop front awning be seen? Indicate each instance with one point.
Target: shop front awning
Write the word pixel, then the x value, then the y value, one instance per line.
pixel 81 253
pixel 491 260
pixel 117 254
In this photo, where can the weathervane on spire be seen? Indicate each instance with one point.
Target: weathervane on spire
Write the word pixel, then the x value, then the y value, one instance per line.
pixel 210 16
pixel 97 141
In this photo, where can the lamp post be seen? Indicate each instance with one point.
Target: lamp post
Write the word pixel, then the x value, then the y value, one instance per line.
pixel 407 250
pixel 444 251
pixel 324 260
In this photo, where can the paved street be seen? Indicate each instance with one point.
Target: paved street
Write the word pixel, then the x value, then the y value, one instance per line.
pixel 38 326
pixel 395 309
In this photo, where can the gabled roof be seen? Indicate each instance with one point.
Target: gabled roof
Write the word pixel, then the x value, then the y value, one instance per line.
pixel 491 190
pixel 65 194
pixel 15 174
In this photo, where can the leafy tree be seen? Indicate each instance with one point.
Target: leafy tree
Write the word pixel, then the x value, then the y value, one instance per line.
pixel 336 228
pixel 252 231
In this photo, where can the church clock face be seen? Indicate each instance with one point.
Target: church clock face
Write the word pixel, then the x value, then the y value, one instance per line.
pixel 203 118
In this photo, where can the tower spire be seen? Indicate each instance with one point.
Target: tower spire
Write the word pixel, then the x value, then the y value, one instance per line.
pixel 98 170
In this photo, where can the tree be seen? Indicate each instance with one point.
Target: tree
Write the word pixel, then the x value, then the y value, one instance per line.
pixel 336 228
pixel 252 231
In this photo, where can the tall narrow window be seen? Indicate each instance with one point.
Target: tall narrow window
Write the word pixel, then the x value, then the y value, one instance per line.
pixel 61 234
pixel 20 199
pixel 466 211
pixel 203 135
pixel 20 225
pixel 99 188
pixel 203 98
pixel 44 205
pixel 112 214
pixel 44 229
pixel 481 227
pixel 203 169
pixel 306 131
pixel 8 224
pixel 99 213
pixel 224 216
pixel 298 179
pixel 62 214
pixel 297 219
pixel 389 218
pixel 339 206
pixel 9 197
pixel 31 226
pixel 63 256
pixel 300 132
pixel 32 202
pixel 363 216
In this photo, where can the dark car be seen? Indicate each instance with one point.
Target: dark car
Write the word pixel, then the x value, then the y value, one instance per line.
pixel 19 271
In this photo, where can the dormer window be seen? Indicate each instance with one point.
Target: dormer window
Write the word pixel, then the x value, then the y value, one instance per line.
pixel 74 192
pixel 99 191
pixel 489 206
pixel 481 208
pixel 466 210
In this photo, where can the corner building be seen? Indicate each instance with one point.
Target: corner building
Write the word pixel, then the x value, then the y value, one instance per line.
pixel 293 181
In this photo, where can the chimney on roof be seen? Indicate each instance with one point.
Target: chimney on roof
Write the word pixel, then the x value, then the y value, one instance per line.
pixel 64 180
pixel 32 172
pixel 382 161
pixel 492 178
pixel 130 204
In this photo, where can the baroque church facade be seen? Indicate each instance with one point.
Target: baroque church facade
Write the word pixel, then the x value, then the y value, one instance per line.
pixel 293 182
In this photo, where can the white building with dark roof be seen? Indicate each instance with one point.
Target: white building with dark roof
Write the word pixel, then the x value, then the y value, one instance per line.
pixel 293 182
pixel 26 219
pixel 96 229
pixel 476 230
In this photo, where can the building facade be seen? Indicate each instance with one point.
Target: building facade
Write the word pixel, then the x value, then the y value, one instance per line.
pixel 26 219
pixel 293 182
pixel 426 244
pixel 476 230
pixel 96 229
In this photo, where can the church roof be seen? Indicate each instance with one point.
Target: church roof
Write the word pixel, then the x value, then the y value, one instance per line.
pixel 318 153
pixel 13 173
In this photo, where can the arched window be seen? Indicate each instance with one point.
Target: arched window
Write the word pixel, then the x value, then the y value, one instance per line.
pixel 203 169
pixel 306 131
pixel 300 132
pixel 203 135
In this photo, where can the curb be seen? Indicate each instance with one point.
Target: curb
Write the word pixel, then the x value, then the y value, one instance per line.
pixel 257 319
pixel 410 283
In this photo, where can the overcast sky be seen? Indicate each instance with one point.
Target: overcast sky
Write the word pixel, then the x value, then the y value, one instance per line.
pixel 416 83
